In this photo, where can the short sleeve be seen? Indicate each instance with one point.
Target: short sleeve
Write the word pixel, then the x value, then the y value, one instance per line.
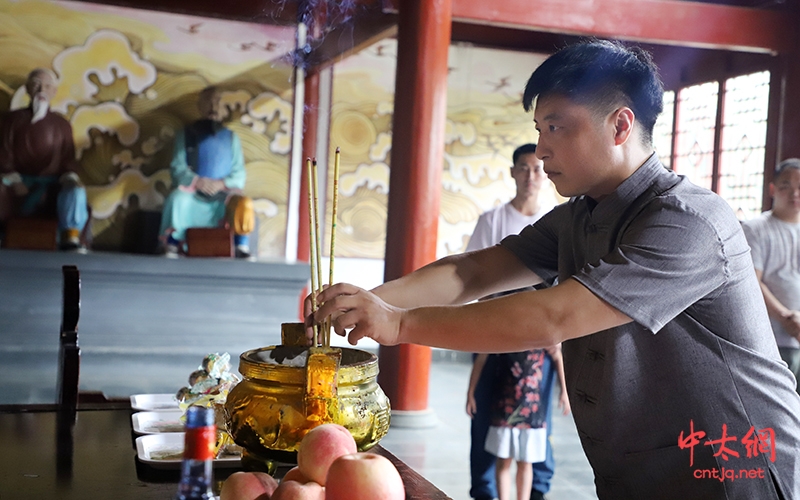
pixel 667 259
pixel 482 234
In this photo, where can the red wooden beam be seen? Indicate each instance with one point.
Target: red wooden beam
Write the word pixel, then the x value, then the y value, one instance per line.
pixel 669 22
pixel 418 138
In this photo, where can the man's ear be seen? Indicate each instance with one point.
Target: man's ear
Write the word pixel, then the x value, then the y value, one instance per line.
pixel 772 190
pixel 623 119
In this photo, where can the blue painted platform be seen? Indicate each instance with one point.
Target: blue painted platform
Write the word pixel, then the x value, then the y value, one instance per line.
pixel 137 312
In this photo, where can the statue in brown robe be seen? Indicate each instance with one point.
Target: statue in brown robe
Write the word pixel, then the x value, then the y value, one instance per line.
pixel 38 169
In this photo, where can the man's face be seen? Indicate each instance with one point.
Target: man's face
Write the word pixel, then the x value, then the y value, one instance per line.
pixel 785 191
pixel 209 106
pixel 575 146
pixel 41 84
pixel 528 173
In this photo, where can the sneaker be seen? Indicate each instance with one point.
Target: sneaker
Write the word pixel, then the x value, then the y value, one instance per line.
pixel 70 240
pixel 171 251
pixel 537 495
pixel 242 252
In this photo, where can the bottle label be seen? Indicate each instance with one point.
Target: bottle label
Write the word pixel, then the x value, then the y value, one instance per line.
pixel 200 443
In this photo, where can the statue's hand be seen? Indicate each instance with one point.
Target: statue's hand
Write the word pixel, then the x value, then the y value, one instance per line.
pixel 209 187
pixel 70 180
pixel 19 189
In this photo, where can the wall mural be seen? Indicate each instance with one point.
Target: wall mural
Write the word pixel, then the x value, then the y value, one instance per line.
pixel 129 79
pixel 485 123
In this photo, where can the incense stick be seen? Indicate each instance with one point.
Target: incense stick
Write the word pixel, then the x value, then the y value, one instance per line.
pixel 316 224
pixel 327 334
pixel 313 256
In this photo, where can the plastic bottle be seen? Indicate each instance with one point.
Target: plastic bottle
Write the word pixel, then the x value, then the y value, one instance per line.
pixel 197 474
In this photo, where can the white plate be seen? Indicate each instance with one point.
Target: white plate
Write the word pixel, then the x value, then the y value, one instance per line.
pixel 154 402
pixel 165 451
pixel 157 422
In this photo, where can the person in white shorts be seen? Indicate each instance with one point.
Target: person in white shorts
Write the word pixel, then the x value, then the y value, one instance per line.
pixel 491 373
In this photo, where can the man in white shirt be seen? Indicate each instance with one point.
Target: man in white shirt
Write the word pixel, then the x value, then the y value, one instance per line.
pixel 524 209
pixel 510 218
pixel 774 239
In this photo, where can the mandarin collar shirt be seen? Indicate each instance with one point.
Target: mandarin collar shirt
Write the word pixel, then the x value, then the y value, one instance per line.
pixel 698 354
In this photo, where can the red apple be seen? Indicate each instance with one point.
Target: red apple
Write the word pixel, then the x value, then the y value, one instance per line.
pixel 320 447
pixel 292 490
pixel 363 476
pixel 294 474
pixel 248 486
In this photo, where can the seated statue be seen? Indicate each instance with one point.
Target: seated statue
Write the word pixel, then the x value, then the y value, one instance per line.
pixel 38 169
pixel 208 176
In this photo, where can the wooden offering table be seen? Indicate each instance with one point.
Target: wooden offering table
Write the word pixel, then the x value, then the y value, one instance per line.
pixel 98 459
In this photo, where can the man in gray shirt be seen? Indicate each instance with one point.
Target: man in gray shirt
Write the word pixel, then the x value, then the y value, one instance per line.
pixel 774 239
pixel 674 378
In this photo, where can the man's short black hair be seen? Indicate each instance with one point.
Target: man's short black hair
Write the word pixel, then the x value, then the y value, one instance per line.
pixel 601 75
pixel 784 166
pixel 523 150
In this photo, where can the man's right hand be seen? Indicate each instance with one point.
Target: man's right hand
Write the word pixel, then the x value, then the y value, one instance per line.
pixel 360 311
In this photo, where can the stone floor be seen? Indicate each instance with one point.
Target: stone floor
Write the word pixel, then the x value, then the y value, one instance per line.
pixel 441 453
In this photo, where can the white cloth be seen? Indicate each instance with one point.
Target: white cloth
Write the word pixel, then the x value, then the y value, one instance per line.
pixel 523 445
pixel 775 248
pixel 496 224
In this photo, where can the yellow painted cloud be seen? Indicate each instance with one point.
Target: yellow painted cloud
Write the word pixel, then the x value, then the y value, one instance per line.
pixel 125 159
pixel 374 176
pixel 107 117
pixel 109 55
pixel 266 107
pixel 380 150
pixel 460 131
pixel 104 200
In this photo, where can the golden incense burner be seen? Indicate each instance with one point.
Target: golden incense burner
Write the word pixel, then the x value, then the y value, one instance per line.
pixel 290 388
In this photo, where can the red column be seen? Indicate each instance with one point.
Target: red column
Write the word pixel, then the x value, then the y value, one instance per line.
pixel 312 14
pixel 310 119
pixel 420 109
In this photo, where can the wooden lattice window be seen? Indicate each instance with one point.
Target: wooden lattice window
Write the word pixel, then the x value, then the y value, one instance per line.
pixel 715 134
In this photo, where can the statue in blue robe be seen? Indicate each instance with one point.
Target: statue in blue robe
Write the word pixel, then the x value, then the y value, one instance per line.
pixel 208 177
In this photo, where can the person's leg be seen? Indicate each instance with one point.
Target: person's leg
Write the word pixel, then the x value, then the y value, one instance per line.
pixel 241 217
pixel 7 199
pixel 481 462
pixel 792 358
pixel 503 477
pixel 543 471
pixel 524 480
pixel 72 215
